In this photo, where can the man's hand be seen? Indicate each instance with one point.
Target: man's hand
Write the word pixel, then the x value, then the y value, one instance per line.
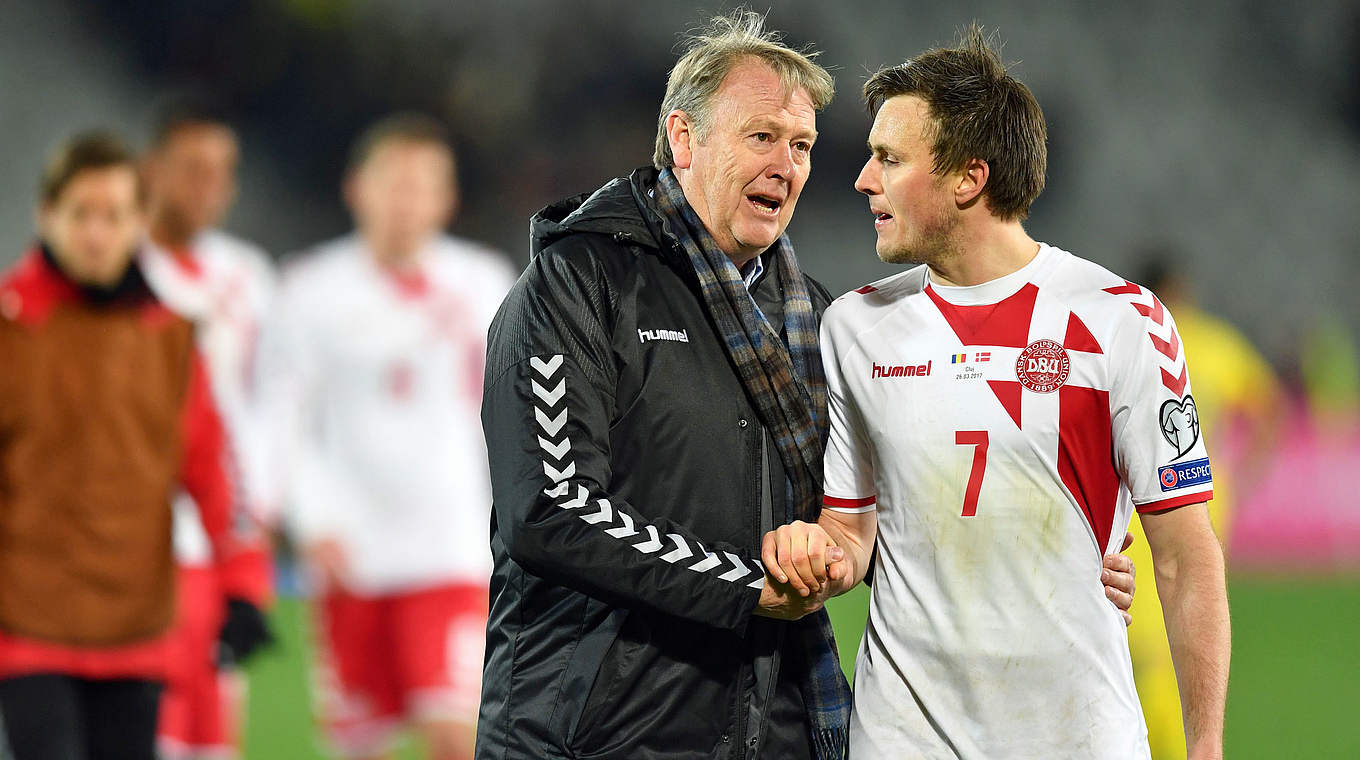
pixel 243 632
pixel 1118 574
pixel 806 558
pixel 783 602
pixel 326 562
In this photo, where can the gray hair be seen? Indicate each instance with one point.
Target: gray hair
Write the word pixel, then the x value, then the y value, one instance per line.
pixel 713 52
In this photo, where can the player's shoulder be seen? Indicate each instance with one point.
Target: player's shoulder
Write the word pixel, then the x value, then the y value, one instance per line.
pixel 228 251
pixel 868 303
pixel 322 266
pixel 1111 307
pixel 879 295
pixel 1090 285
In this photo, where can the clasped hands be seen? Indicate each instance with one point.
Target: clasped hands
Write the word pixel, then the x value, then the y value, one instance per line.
pixel 804 567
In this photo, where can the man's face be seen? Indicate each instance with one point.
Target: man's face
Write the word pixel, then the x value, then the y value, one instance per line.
pixel 402 195
pixel 914 210
pixel 746 173
pixel 191 178
pixel 95 223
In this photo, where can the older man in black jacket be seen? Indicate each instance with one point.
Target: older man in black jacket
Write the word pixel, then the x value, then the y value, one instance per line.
pixel 654 405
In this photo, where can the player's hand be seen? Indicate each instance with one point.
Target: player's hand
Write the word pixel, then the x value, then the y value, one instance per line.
pixel 804 556
pixel 326 562
pixel 243 632
pixel 783 602
pixel 1118 574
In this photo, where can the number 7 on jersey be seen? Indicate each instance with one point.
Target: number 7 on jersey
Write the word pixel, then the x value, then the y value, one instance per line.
pixel 978 439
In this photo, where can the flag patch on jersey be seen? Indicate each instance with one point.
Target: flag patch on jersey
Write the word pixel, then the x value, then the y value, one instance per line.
pixel 1184 475
pixel 958 358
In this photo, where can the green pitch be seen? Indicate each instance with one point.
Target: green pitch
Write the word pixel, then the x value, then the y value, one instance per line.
pixel 1295 680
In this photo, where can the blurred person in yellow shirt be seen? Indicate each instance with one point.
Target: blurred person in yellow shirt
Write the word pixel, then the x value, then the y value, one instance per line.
pixel 1234 385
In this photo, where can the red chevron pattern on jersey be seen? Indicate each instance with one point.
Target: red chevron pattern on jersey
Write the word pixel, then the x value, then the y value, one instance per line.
pixel 1170 346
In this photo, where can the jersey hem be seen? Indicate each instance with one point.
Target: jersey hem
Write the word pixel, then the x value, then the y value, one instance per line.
pixel 1165 505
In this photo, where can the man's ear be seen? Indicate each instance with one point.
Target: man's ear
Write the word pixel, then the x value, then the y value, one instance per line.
pixel 680 133
pixel 971 182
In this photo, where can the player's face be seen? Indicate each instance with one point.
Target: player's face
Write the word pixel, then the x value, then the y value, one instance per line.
pixel 914 211
pixel 191 179
pixel 94 225
pixel 749 169
pixel 402 195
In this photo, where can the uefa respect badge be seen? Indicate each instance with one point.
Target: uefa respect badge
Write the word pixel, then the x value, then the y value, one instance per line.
pixel 1043 366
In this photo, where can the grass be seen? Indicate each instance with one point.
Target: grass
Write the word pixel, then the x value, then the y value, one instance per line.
pixel 1295 681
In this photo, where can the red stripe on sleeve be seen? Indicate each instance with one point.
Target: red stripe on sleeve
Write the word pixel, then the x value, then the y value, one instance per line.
pixel 832 501
pixel 1175 501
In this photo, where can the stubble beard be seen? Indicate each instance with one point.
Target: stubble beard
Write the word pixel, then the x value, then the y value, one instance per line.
pixel 932 245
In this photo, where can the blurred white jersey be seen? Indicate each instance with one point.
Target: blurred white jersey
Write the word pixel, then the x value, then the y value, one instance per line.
pixel 224 285
pixel 1005 433
pixel 372 385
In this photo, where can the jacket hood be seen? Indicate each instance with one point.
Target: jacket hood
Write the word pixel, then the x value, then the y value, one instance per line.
pixel 620 208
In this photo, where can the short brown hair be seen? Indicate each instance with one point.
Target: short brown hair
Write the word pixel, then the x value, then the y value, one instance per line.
pixel 979 111
pixel 98 149
pixel 186 110
pixel 406 126
pixel 712 53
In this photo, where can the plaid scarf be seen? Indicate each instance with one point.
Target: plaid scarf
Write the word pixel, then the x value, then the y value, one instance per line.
pixel 788 388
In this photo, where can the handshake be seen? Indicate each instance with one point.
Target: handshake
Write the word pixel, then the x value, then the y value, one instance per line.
pixel 804 567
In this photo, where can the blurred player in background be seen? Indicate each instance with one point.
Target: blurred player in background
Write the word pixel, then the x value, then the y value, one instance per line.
pixel 373 375
pixel 1233 386
pixel 105 409
pixel 998 414
pixel 224 286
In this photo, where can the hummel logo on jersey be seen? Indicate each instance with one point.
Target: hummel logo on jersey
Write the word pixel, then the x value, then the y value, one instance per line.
pixel 901 370
pixel 679 336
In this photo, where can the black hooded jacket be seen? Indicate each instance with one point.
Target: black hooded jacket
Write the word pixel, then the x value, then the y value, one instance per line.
pixel 632 483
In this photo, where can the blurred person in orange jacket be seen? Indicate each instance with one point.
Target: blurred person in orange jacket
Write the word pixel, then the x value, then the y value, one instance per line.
pixel 372 380
pixel 223 285
pixel 1233 385
pixel 105 409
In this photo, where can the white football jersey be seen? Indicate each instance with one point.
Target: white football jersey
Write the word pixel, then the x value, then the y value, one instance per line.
pixel 224 285
pixel 372 386
pixel 1005 433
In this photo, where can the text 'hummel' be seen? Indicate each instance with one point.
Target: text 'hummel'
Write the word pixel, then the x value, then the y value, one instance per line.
pixel 680 336
pixel 902 370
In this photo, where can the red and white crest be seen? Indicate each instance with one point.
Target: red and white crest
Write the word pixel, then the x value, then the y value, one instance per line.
pixel 1043 366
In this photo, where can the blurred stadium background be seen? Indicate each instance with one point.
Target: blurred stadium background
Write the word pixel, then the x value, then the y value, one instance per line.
pixel 1225 133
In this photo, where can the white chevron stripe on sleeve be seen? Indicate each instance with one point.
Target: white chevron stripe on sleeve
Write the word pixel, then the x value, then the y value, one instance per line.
pixel 681 550
pixel 556 475
pixel 625 530
pixel 652 544
pixel 739 569
pixel 709 562
pixel 550 397
pixel 606 513
pixel 561 489
pixel 552 426
pixel 580 501
pixel 558 450
pixel 546 368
